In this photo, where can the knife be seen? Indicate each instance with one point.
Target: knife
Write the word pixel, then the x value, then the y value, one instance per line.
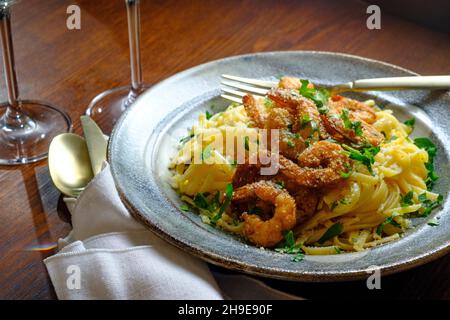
pixel 96 143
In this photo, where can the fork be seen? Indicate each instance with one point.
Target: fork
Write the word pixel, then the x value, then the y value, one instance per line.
pixel 240 86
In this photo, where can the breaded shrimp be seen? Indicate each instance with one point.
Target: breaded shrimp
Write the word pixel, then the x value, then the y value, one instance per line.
pixel 292 83
pixel 270 232
pixel 336 127
pixel 357 108
pixel 319 165
pixel 255 111
pixel 290 144
pixel 307 118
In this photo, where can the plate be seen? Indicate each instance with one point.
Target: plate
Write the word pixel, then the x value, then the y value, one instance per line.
pixel 147 135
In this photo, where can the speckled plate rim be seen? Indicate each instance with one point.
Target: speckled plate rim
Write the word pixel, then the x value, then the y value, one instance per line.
pixel 237 264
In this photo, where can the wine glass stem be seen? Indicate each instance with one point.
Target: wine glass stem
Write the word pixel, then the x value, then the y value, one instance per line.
pixel 8 58
pixel 134 32
pixel 13 118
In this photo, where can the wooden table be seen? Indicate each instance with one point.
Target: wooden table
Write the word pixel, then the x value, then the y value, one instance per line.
pixel 69 68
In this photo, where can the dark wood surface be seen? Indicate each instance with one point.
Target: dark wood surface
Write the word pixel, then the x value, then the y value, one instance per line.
pixel 69 68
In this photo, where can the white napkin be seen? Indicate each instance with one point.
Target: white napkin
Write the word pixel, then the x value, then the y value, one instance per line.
pixel 109 255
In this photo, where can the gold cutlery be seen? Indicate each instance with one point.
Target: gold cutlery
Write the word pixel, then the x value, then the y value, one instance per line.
pixel 69 164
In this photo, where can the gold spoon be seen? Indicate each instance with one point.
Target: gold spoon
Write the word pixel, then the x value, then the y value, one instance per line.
pixel 69 164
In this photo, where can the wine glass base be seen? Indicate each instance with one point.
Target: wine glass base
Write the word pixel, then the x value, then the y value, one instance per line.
pixel 30 142
pixel 107 107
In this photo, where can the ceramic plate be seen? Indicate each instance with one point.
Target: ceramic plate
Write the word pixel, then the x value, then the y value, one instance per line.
pixel 147 135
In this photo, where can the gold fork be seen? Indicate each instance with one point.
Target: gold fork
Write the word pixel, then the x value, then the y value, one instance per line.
pixel 239 86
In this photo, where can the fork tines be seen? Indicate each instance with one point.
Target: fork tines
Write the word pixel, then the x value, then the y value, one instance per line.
pixel 239 87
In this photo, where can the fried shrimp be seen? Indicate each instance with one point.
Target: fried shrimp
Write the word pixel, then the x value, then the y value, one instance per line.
pixel 270 232
pixel 342 126
pixel 319 165
pixel 307 118
pixel 357 108
pixel 292 83
pixel 290 144
pixel 255 111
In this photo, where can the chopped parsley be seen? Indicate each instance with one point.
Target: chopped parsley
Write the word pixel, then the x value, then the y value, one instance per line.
pixel 208 115
pixel 268 103
pixel 389 220
pixel 290 143
pixel 185 207
pixel 201 201
pixel 352 125
pixel 335 230
pixel 366 155
pixel 338 250
pixel 280 184
pixel 186 139
pixel 225 204
pixel 318 96
pixel 305 120
pixel 407 199
pixel 290 247
pixel 247 143
pixel 410 122
pixel 429 205
pixel 430 148
pixel 347 174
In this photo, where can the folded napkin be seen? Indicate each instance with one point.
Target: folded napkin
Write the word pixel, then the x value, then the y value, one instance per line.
pixel 109 255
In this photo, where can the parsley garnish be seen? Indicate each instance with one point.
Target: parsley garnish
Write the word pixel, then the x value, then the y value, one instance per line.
pixel 335 230
pixel 290 143
pixel 185 207
pixel 246 143
pixel 347 174
pixel 410 122
pixel 429 205
pixel 268 103
pixel 338 250
pixel 305 121
pixel 280 184
pixel 389 220
pixel 318 96
pixel 208 115
pixel 290 247
pixel 201 201
pixel 406 200
pixel 225 204
pixel 430 148
pixel 186 139
pixel 366 156
pixel 352 125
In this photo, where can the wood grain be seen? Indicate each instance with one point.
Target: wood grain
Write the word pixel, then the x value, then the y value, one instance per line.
pixel 69 68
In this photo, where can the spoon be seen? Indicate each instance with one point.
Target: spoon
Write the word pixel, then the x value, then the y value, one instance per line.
pixel 69 164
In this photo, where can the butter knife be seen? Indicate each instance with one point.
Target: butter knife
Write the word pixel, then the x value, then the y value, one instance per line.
pixel 96 143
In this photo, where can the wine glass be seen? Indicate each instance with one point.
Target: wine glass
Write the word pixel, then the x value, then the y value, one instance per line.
pixel 107 107
pixel 26 126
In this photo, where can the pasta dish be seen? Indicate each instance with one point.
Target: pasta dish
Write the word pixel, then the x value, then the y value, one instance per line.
pixel 306 172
